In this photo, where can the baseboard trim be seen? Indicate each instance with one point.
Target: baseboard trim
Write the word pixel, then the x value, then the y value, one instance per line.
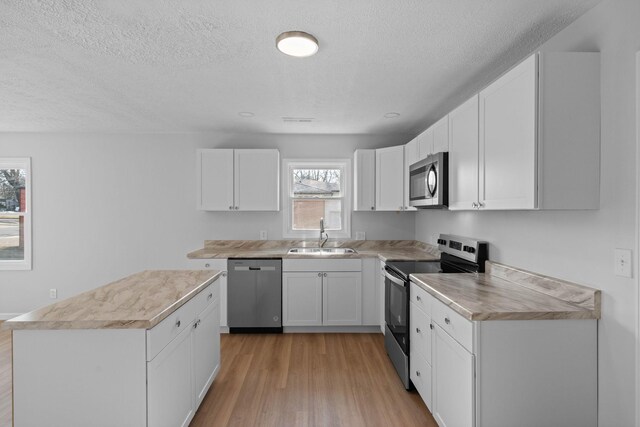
pixel 332 329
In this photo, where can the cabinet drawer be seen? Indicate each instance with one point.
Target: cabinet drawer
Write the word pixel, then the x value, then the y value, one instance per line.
pixel 336 264
pixel 454 324
pixel 421 298
pixel 206 296
pixel 164 332
pixel 420 337
pixel 421 377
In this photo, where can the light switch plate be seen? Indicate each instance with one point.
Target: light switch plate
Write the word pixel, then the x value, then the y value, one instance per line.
pixel 360 235
pixel 53 293
pixel 263 234
pixel 622 262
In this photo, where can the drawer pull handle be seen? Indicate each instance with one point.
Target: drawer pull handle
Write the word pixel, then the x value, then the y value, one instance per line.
pixel 418 373
pixel 224 274
pixel 418 298
pixel 178 323
pixel 195 325
pixel 206 266
pixel 447 321
pixel 430 325
pixel 418 330
pixel 210 296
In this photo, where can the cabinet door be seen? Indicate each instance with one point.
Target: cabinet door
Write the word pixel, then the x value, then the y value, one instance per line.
pixel 425 143
pixel 215 264
pixel 441 135
pixel 381 294
pixel 365 180
pixel 453 382
pixel 206 349
pixel 390 178
pixel 370 310
pixel 342 298
pixel 508 140
pixel 410 157
pixel 170 397
pixel 301 299
pixel 257 180
pixel 215 180
pixel 463 156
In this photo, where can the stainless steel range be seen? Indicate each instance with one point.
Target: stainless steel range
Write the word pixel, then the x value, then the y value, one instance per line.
pixel 459 255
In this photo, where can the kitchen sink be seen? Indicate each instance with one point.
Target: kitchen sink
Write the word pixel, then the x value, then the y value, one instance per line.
pixel 322 251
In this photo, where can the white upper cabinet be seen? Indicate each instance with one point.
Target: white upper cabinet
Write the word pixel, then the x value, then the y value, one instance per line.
pixel 411 156
pixel 463 155
pixel 390 178
pixel 241 180
pixel 364 172
pixel 425 143
pixel 441 135
pixel 538 138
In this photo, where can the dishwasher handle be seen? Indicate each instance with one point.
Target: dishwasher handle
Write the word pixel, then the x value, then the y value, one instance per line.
pixel 248 268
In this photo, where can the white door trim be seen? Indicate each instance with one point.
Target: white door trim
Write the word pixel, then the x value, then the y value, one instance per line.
pixel 637 238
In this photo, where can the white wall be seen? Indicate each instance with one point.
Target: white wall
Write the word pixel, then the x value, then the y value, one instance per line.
pixel 579 245
pixel 105 206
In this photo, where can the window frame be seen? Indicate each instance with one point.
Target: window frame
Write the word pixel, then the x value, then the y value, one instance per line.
pixel 345 188
pixel 21 163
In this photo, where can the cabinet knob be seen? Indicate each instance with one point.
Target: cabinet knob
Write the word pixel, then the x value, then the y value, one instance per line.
pixel 480 205
pixel 373 208
pixel 206 265
pixel 236 208
pixel 418 330
pixel 224 274
pixel 447 321
pixel 401 208
pixel 474 205
pixel 418 298
pixel 210 296
pixel 178 323
pixel 319 274
pixel 230 207
pixel 325 274
pixel 195 325
pixel 418 373
pixel 430 325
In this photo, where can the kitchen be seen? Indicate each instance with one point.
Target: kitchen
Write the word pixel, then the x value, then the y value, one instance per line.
pixel 82 239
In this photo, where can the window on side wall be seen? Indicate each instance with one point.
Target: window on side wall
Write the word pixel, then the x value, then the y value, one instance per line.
pixel 15 213
pixel 314 190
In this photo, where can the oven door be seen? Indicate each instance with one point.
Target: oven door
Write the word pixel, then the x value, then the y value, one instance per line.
pixel 396 308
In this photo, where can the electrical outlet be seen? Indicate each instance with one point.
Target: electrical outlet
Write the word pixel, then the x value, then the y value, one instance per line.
pixel 360 235
pixel 622 262
pixel 263 234
pixel 53 293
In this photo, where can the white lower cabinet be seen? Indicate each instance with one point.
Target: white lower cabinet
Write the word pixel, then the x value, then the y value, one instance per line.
pixel 215 264
pixel 502 373
pixel 331 297
pixel 180 374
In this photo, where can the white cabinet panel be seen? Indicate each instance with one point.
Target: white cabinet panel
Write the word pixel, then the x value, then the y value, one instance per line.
pixel 364 172
pixel 215 180
pixel 227 180
pixel 302 299
pixel 421 378
pixel 425 143
pixel 411 156
pixel 257 180
pixel 169 384
pixel 382 293
pixel 463 156
pixel 453 382
pixel 508 143
pixel 441 135
pixel 370 295
pixel 342 296
pixel 390 178
pixel 215 264
pixel 206 349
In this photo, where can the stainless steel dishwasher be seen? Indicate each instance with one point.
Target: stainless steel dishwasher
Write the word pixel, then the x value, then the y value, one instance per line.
pixel 254 295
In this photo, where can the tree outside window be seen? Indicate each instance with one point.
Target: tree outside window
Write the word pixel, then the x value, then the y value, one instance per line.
pixel 15 227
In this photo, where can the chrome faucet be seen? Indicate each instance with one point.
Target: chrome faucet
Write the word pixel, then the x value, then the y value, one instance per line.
pixel 322 240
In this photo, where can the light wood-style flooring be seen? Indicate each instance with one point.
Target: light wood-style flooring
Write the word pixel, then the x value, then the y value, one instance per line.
pixel 6 406
pixel 309 380
pixel 292 380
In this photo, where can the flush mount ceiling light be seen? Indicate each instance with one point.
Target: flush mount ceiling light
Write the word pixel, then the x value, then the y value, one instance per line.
pixel 246 114
pixel 391 115
pixel 297 43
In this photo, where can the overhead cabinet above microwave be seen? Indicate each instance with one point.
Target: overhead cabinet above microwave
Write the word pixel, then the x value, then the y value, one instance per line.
pixel 531 139
pixel 238 180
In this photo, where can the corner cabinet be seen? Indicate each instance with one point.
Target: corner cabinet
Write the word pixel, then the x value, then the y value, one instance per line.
pixel 321 292
pixel 538 138
pixel 228 181
pixel 488 373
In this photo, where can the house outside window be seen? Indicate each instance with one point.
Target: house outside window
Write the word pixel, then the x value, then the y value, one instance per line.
pixel 317 189
pixel 15 213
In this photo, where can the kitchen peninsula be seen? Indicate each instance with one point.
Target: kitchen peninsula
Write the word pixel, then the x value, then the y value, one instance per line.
pixel 140 351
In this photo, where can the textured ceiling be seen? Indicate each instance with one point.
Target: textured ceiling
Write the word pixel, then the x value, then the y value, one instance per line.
pixel 192 66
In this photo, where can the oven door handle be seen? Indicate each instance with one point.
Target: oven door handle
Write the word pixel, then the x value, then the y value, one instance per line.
pixel 394 279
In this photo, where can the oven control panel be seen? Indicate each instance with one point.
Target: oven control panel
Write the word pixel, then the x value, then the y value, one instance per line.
pixel 470 249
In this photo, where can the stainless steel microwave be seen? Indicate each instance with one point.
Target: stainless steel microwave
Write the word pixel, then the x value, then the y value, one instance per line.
pixel 428 182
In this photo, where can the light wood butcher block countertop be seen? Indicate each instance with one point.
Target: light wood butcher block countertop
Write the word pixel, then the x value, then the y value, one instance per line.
pixel 139 301
pixel 386 250
pixel 507 293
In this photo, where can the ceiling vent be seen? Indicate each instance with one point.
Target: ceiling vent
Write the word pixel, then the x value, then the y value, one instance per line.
pixel 298 119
